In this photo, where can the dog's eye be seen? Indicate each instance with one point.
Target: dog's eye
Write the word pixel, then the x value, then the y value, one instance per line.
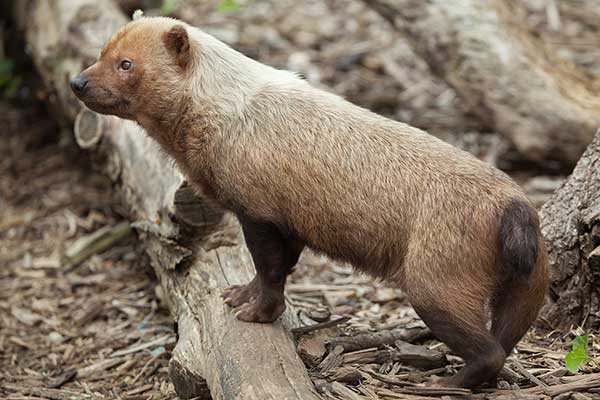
pixel 125 65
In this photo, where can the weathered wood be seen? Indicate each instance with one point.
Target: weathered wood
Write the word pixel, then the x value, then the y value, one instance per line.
pixel 417 356
pixel 515 83
pixel 312 349
pixel 95 243
pixel 195 248
pixel 345 373
pixel 379 339
pixel 54 394
pixel 571 226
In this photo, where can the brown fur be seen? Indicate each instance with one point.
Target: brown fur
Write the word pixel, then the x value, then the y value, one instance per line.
pixel 300 166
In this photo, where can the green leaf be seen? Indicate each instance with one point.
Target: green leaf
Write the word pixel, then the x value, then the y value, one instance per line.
pixel 6 66
pixel 578 356
pixel 575 359
pixel 168 7
pixel 227 6
pixel 581 342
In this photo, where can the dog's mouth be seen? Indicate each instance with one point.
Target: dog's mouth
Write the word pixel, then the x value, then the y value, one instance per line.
pixel 103 101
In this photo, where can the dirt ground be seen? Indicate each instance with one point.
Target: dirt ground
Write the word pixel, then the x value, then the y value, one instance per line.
pixel 95 327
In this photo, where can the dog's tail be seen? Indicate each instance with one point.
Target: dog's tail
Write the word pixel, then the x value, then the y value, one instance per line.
pixel 523 277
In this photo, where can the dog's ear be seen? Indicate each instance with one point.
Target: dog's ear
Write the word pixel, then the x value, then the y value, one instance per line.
pixel 177 42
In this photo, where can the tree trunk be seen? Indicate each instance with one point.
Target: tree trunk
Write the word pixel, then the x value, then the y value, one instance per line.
pixel 518 87
pixel 571 226
pixel 195 248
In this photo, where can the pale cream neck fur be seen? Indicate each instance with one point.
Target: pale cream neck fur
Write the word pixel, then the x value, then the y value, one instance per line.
pixel 225 78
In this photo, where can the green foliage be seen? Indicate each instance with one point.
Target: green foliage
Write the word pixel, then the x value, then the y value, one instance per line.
pixel 168 7
pixel 6 66
pixel 9 81
pixel 228 6
pixel 577 357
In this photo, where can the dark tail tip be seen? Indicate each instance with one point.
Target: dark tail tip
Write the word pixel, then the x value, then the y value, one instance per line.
pixel 519 239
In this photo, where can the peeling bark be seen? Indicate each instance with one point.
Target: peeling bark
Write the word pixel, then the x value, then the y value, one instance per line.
pixel 571 226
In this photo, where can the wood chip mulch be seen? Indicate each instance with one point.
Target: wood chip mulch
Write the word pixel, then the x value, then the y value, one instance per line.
pixel 384 351
pixel 80 313
pixel 87 327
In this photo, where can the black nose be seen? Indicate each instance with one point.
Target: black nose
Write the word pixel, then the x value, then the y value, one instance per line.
pixel 78 84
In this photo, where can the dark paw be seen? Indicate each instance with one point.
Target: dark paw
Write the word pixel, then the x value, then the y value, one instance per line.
pixel 261 309
pixel 237 295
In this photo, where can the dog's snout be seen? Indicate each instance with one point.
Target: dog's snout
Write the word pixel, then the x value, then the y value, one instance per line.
pixel 78 84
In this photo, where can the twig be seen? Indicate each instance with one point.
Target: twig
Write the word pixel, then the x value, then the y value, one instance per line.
pixel 333 359
pixel 139 390
pixel 587 382
pixel 528 374
pixel 141 373
pixel 397 380
pixel 134 349
pixel 98 367
pixel 97 242
pixel 53 394
pixel 341 390
pixel 378 339
pixel 424 391
pixel 322 325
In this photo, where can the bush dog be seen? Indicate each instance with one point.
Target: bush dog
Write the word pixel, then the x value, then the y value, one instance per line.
pixel 303 167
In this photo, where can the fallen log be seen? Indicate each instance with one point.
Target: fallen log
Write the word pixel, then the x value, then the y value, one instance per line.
pixel 195 248
pixel 505 75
